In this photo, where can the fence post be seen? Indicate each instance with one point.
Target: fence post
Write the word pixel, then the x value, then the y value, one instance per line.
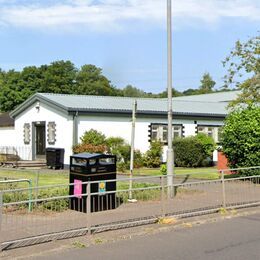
pixel 1 219
pixel 88 208
pixel 1 210
pixel 36 186
pixel 30 196
pixel 223 189
pixel 162 196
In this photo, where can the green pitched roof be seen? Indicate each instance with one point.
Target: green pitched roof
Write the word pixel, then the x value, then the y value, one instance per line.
pixel 191 105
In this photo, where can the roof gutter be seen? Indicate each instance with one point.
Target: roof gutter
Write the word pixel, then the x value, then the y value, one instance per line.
pixel 150 113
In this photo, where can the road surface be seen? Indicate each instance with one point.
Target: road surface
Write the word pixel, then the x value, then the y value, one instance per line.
pixel 236 238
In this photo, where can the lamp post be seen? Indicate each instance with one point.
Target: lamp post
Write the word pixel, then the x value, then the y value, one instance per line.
pixel 170 160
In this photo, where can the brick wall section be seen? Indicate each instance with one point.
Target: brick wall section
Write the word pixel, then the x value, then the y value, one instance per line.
pixel 222 162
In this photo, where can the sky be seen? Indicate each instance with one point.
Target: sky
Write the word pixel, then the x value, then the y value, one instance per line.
pixel 127 38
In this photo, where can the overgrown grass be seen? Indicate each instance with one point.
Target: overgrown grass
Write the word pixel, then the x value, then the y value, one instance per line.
pixel 52 177
pixel 45 177
pixel 209 173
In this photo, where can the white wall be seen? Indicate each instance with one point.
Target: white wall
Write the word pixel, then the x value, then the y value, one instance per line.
pixel 107 124
pixel 64 127
pixel 121 126
pixel 116 126
pixel 7 135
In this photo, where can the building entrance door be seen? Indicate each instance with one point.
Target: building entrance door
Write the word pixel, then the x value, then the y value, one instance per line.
pixel 40 141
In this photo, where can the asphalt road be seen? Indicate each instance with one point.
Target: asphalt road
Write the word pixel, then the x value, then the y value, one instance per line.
pixel 235 238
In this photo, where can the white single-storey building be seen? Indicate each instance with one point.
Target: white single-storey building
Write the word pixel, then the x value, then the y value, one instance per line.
pixel 59 120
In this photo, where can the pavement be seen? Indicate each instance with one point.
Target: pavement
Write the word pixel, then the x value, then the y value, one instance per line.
pixel 233 235
pixel 19 225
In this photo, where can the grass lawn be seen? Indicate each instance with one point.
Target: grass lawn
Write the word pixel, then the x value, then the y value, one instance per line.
pixel 209 173
pixel 50 177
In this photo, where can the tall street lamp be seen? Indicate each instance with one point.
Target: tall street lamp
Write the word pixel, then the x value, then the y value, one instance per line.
pixel 170 160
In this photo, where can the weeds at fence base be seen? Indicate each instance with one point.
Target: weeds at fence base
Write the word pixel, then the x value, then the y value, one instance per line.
pixel 168 220
pixel 223 211
pixel 79 244
pixel 187 225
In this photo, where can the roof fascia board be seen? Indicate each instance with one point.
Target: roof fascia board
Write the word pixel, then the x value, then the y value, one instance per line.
pixel 144 113
pixel 37 97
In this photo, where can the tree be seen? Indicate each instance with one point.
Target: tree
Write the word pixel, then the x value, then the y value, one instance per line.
pixel 10 93
pixel 190 92
pixel 243 61
pixel 207 84
pixel 175 93
pixel 58 77
pixel 240 137
pixel 91 82
pixel 130 91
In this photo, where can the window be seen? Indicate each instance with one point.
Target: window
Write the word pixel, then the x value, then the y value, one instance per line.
pixel 26 133
pixel 160 132
pixel 212 131
pixel 51 132
pixel 177 131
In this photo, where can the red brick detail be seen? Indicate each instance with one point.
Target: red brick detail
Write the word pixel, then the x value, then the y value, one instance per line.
pixel 222 162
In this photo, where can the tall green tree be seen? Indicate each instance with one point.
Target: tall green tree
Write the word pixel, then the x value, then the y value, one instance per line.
pixel 243 71
pixel 91 81
pixel 10 92
pixel 207 84
pixel 58 77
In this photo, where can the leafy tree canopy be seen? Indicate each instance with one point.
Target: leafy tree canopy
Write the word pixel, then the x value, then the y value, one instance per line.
pixel 240 137
pixel 244 62
pixel 207 84
pixel 58 77
pixel 63 77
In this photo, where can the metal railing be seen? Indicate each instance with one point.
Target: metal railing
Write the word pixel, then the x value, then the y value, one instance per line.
pixel 58 211
pixel 14 153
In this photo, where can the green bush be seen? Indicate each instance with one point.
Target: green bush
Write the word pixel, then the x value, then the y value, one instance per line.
pixel 207 143
pixel 138 159
pixel 93 137
pixel 54 205
pixel 89 148
pixel 163 169
pixel 241 138
pixel 193 151
pixel 152 157
pixel 119 147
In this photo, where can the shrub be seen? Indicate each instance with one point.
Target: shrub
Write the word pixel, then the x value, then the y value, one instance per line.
pixel 152 157
pixel 193 151
pixel 54 205
pixel 121 166
pixel 90 148
pixel 138 159
pixel 163 169
pixel 118 147
pixel 93 137
pixel 207 143
pixel 240 138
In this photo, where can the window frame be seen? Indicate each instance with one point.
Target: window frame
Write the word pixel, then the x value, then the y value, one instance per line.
pixel 161 132
pixel 51 132
pixel 26 133
pixel 214 132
